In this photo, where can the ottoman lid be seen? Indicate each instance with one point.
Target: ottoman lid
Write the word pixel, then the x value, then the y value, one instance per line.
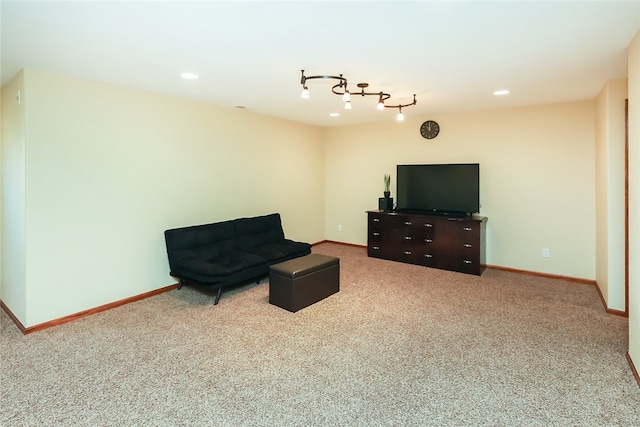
pixel 304 265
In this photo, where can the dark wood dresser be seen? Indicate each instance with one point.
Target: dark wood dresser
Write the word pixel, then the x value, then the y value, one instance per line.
pixel 448 243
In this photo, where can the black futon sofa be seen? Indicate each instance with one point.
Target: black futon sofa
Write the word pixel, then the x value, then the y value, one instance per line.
pixel 229 252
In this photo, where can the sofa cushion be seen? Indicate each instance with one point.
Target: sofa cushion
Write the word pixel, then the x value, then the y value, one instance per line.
pixel 222 267
pixel 258 231
pixel 198 242
pixel 280 251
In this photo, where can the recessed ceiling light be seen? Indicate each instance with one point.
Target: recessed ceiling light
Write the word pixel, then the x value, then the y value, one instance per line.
pixel 501 92
pixel 189 76
pixel 334 114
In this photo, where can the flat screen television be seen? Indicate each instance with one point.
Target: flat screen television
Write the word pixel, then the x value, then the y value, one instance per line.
pixel 446 189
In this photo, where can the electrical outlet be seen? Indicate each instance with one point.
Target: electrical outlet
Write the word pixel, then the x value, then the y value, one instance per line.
pixel 545 252
pixel 339 227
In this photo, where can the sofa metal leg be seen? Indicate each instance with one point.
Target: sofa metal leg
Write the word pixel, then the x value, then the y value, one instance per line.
pixel 217 296
pixel 180 284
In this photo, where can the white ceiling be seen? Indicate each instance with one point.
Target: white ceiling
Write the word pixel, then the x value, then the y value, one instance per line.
pixel 451 54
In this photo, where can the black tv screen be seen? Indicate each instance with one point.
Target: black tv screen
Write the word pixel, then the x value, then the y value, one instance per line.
pixel 439 188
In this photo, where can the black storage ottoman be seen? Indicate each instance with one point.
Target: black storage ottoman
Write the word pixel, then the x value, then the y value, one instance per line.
pixel 300 282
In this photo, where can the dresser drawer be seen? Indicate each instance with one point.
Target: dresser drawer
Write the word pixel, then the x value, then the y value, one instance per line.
pixel 462 230
pixel 461 263
pixel 376 220
pixel 386 221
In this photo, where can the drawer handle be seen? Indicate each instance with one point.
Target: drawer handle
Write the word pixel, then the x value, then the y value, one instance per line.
pixel 407 252
pixel 466 261
pixel 428 240
pixel 467 245
pixel 467 229
pixel 375 234
pixel 407 237
pixel 428 225
pixel 428 256
pixel 407 223
pixel 375 219
pixel 375 248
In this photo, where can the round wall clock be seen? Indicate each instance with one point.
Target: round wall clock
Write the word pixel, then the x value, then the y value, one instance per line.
pixel 429 129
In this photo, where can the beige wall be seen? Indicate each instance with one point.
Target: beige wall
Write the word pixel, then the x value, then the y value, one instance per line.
pixel 1 192
pixel 634 200
pixel 109 169
pixel 610 195
pixel 14 271
pixel 537 179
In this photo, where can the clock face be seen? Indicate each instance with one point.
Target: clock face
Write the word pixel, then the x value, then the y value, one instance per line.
pixel 429 129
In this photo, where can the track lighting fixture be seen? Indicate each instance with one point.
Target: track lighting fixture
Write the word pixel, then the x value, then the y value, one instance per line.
pixel 341 89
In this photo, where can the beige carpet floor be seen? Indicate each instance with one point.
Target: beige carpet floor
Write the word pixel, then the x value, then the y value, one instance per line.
pixel 399 345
